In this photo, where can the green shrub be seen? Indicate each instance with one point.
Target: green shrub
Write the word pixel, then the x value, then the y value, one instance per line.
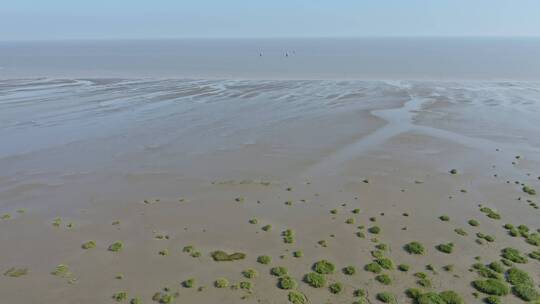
pixel 374 230
pixel 253 221
pixel 384 279
pixel 250 273
pixel 266 227
pixel 430 298
pixel 222 256
pixel 385 263
pixel 535 255
pixel 116 247
pixel 286 282
pixel 424 283
pixel 188 283
pixel 314 279
pixel 460 231
pixel 496 266
pixel 221 283
pixel 413 293
pixel 415 248
pixel 386 297
pixel 491 287
pixel 444 218
pixel 296 297
pixel 298 254
pixel 323 267
pixel 373 267
pixel 349 270
pixel 264 259
pixel 451 297
pixel 88 245
pixel 513 255
pixel 529 190
pixel 278 271
pixel 16 272
pixel 245 285
pixel 446 248
pixel 120 296
pixel 404 267
pixel 335 288
pixel 473 223
pixel 526 292
pixel 516 276
pixel 493 300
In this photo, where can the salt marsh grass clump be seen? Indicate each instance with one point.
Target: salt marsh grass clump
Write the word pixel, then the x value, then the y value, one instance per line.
pixel 335 288
pixel 278 271
pixel 288 236
pixel 491 287
pixel 296 297
pixel 444 218
pixel 415 248
pixel 266 228
pixel 513 255
pixel 264 259
pixel 298 254
pixel 120 296
pixel 116 247
pixel 88 245
pixel 349 270
pixel 374 230
pixel 222 256
pixel 529 190
pixel 221 283
pixel 526 292
pixel 460 231
pixel 16 272
pixel 385 263
pixel 324 267
pixel 373 267
pixel 446 248
pixel 386 297
pixel 384 279
pixel 250 273
pixel 314 279
pixel 404 267
pixel 287 282
pixel 189 283
pixel 517 276
pixel 474 223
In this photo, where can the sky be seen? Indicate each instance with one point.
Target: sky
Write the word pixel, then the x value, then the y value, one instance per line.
pixel 138 19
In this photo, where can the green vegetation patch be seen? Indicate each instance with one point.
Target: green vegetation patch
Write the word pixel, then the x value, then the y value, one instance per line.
pixel 335 288
pixel 116 247
pixel 490 213
pixel 287 282
pixel 513 255
pixel 517 276
pixel 373 267
pixel 14 272
pixel 250 273
pixel 296 297
pixel 446 248
pixel 222 256
pixel 278 271
pixel 324 267
pixel 314 279
pixel 221 283
pixel 374 229
pixel 385 263
pixel 189 283
pixel 526 292
pixel 415 248
pixel 386 297
pixel 491 287
pixel 529 190
pixel 349 270
pixel 384 279
pixel 120 296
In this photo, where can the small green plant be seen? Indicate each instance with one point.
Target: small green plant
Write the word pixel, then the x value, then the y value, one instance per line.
pixel 403 267
pixel 264 259
pixel 245 285
pixel 526 292
pixel 335 288
pixel 517 276
pixel 384 279
pixel 356 211
pixel 493 300
pixel 135 301
pixel 415 248
pixel 253 221
pixel 374 230
pixel 62 271
pixel 288 236
pixel 349 221
pixel 349 270
pixel 222 256
pixel 446 248
pixel 163 252
pixel 386 297
pixel 474 223
pixel 373 267
pixel 286 282
pixel 451 297
pixel 490 213
pixel 496 266
pixel 266 228
pixel 460 231
pixel 16 272
pixel 323 267
pixel 278 271
pixel 529 190
pixel 314 279
pixel 453 171
pixel 513 255
pixel 116 247
pixel 296 297
pixel 250 273
pixel 444 218
pixel 491 287
pixel 189 283
pixel 535 255
pixel 385 263
pixel 298 254
pixel 221 283
pixel 120 296
pixel 424 282
pixel 430 298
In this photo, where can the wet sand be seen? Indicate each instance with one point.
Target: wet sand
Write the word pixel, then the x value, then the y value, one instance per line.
pixel 196 160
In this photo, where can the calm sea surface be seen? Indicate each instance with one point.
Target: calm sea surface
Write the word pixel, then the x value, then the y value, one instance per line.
pixel 366 58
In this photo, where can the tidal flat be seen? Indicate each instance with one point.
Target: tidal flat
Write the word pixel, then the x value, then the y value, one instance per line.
pixel 232 191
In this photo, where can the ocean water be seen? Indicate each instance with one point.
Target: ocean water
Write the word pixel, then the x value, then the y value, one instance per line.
pixel 367 59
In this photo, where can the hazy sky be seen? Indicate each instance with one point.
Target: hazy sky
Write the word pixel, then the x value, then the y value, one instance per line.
pixel 91 19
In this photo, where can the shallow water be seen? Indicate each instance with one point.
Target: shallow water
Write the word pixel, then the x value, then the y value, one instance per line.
pixel 366 58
